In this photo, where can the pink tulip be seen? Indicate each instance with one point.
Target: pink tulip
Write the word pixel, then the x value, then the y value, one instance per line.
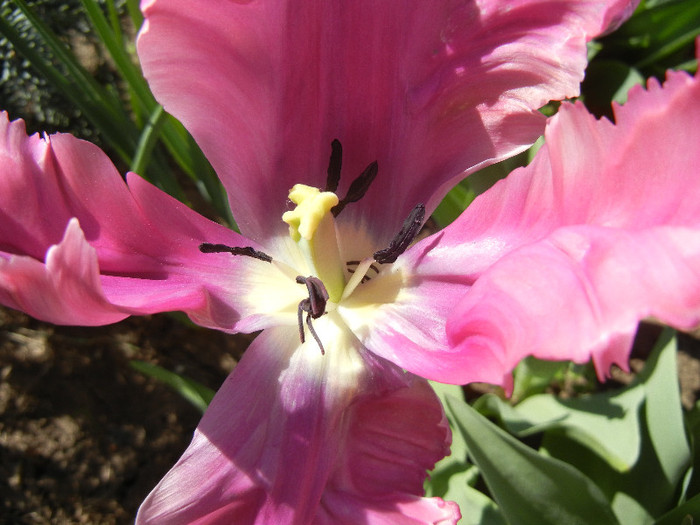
pixel 600 231
pixel 320 422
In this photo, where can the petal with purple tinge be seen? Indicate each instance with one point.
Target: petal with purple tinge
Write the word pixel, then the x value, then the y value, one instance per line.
pixel 79 246
pixel 292 434
pixel 429 90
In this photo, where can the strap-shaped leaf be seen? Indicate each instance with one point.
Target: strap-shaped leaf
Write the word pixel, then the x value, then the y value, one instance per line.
pixel 197 394
pixel 608 423
pixel 529 488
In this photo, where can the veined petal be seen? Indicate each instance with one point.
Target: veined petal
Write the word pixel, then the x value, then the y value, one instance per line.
pixel 615 238
pixel 429 90
pixel 400 315
pixel 280 442
pixel 79 246
pixel 392 440
pixel 577 295
pixel 66 289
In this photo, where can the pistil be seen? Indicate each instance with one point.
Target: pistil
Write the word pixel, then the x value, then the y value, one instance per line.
pixel 312 226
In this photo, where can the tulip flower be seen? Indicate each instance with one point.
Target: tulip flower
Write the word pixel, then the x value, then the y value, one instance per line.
pixel 600 231
pixel 336 130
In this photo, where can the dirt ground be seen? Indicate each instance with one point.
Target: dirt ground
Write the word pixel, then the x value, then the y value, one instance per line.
pixel 84 437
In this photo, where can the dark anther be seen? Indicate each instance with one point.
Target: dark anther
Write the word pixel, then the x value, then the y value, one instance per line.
pixel 358 188
pixel 352 265
pixel 334 165
pixel 234 250
pixel 314 306
pixel 403 239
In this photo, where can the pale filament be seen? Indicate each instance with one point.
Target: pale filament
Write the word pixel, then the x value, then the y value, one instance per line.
pixel 356 278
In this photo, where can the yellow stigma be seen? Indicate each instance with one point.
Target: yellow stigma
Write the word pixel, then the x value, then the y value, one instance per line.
pixel 312 206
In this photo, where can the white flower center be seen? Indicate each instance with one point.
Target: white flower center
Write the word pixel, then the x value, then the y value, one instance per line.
pixel 320 243
pixel 325 274
pixel 313 228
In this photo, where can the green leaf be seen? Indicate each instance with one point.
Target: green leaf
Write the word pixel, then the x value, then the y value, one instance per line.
pixel 608 423
pixel 529 488
pixel 461 195
pixel 454 203
pixel 178 142
pixel 606 81
pixel 443 475
pixel 98 105
pixel 664 415
pixel 693 424
pixel 196 393
pixel 148 139
pixel 652 486
pixel 476 507
pixel 443 391
pixel 659 36
pixel 106 111
pixel 534 376
pixel 682 515
pixel 63 55
pixel 630 511
pixel 453 476
pixel 114 44
pixel 132 7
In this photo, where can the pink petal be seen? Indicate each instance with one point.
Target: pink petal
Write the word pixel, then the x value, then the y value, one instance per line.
pixel 429 90
pixel 65 290
pixel 408 327
pixel 387 438
pixel 291 435
pixel 612 237
pixel 346 509
pixel 132 250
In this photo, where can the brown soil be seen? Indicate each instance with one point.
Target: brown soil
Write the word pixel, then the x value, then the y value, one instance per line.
pixel 83 436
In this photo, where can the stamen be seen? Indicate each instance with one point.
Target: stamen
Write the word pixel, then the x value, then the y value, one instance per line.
pixel 358 188
pixel 314 306
pixel 365 277
pixel 314 334
pixel 334 165
pixel 358 276
pixel 403 239
pixel 248 251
